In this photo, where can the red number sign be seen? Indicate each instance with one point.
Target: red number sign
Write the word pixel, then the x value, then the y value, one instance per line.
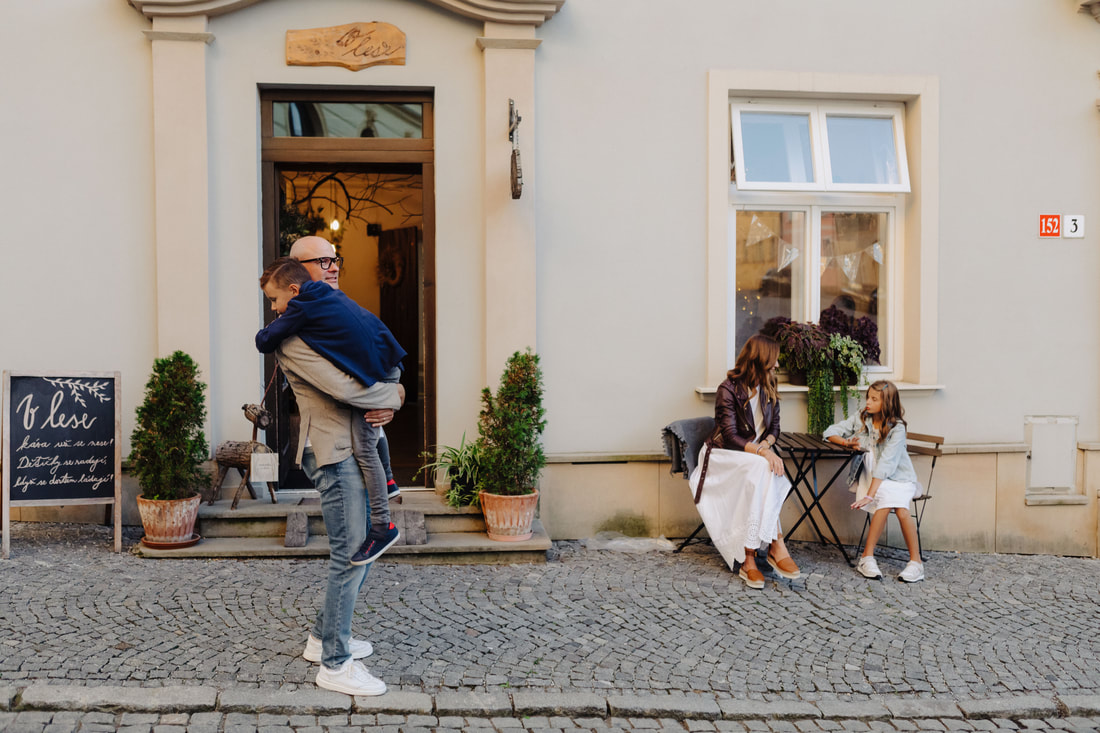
pixel 1050 225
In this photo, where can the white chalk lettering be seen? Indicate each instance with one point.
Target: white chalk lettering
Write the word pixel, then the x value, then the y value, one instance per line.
pixel 30 443
pixel 25 406
pixel 61 420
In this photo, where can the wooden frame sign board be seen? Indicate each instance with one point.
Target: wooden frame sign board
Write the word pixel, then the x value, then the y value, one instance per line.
pixel 62 443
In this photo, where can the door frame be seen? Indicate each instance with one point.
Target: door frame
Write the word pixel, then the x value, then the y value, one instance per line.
pixel 327 152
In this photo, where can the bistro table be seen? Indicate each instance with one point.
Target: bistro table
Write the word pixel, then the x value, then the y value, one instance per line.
pixel 801 452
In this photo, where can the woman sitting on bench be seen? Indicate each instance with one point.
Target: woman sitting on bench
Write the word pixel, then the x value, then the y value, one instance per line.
pixel 739 484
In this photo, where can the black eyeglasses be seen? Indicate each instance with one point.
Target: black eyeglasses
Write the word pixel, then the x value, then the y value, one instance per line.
pixel 326 262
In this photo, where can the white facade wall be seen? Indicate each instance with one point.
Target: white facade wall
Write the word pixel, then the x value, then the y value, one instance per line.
pixel 621 155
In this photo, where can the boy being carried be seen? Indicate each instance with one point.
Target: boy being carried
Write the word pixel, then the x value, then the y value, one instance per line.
pixel 356 341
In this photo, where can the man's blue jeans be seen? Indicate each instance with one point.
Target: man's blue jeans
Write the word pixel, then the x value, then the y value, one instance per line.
pixel 344 507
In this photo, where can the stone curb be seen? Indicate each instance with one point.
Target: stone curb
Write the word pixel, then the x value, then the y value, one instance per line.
pixel 750 710
pixel 474 704
pixel 1015 708
pixel 580 704
pixel 487 704
pixel 851 710
pixel 1085 706
pixel 917 709
pixel 119 699
pixel 663 706
pixel 396 702
pixel 298 702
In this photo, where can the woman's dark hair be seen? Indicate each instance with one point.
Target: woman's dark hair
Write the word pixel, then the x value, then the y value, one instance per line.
pixel 754 365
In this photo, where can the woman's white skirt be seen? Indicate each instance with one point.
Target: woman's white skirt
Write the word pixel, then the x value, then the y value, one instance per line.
pixel 740 502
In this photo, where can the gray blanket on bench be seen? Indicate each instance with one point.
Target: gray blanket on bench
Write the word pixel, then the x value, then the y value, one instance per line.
pixel 683 439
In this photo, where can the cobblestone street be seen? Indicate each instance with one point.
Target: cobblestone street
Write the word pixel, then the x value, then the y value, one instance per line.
pixel 589 625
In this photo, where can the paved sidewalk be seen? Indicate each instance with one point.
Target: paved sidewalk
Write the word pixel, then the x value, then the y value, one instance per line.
pixel 593 640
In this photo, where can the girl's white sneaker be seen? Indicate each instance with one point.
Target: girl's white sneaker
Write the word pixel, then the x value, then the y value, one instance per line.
pixel 868 568
pixel 913 572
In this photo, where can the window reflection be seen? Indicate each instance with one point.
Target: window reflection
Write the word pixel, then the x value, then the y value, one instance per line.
pixel 348 119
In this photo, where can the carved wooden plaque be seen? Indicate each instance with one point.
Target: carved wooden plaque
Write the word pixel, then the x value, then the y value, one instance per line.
pixel 354 46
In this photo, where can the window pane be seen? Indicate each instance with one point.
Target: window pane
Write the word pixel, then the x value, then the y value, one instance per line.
pixel 776 147
pixel 853 278
pixel 348 119
pixel 770 267
pixel 862 149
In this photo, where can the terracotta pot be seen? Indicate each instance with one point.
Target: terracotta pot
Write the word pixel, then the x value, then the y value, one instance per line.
pixel 509 518
pixel 169 521
pixel 796 376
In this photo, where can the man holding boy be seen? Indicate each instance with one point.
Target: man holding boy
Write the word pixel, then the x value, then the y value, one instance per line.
pixel 313 252
pixel 324 394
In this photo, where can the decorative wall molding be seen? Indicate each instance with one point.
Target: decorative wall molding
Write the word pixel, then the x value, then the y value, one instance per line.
pixel 524 12
pixel 521 43
pixel 185 8
pixel 206 38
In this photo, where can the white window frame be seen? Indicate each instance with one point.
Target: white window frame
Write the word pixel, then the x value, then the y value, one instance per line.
pixel 818 114
pixel 813 207
pixel 914 319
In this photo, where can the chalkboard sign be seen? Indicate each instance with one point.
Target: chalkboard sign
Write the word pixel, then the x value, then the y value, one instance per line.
pixel 62 442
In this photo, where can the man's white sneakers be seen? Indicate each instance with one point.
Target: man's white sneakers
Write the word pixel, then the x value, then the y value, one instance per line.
pixel 913 572
pixel 359 648
pixel 350 678
pixel 868 568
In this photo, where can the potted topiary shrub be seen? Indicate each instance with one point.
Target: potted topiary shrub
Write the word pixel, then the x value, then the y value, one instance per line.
pixel 511 424
pixel 167 450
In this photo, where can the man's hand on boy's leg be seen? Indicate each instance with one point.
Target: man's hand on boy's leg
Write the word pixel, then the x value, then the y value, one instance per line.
pixel 378 418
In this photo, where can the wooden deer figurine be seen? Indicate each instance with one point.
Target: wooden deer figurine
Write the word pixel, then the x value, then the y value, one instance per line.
pixel 238 454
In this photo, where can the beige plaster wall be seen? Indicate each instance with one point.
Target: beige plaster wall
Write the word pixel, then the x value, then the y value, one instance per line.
pixel 442 54
pixel 977 505
pixel 1066 529
pixel 622 268
pixel 77 283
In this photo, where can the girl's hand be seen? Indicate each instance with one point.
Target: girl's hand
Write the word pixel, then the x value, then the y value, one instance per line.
pixel 860 503
pixel 852 443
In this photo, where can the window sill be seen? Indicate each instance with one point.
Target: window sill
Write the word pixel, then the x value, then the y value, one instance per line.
pixel 1041 499
pixel 911 388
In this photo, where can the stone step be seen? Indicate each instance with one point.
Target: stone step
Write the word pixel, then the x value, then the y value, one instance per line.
pixel 261 518
pixel 443 548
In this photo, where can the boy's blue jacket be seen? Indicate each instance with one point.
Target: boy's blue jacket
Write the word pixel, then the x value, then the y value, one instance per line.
pixel 337 328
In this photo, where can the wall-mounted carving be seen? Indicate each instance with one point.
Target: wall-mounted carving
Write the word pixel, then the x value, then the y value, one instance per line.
pixel 354 46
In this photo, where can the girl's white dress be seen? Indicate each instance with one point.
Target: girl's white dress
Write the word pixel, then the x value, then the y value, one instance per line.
pixel 741 498
pixel 890 495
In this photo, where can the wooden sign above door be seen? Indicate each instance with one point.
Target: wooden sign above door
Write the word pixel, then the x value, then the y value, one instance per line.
pixel 354 46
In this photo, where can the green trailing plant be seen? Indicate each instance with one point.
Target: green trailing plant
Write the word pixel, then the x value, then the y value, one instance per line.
pixel 461 466
pixel 847 366
pixel 168 445
pixel 511 426
pixel 820 403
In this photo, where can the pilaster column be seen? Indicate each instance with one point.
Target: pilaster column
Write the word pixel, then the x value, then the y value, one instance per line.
pixel 509 54
pixel 181 186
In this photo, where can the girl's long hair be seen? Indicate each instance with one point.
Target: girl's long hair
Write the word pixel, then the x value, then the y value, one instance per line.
pixel 754 365
pixel 892 412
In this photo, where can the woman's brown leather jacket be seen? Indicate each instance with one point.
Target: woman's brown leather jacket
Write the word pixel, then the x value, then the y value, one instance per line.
pixel 733 417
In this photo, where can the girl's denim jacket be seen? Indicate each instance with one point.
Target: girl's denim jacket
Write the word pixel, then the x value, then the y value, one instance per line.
pixel 891 456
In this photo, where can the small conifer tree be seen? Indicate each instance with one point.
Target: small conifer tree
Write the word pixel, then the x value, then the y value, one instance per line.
pixel 168 445
pixel 511 427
